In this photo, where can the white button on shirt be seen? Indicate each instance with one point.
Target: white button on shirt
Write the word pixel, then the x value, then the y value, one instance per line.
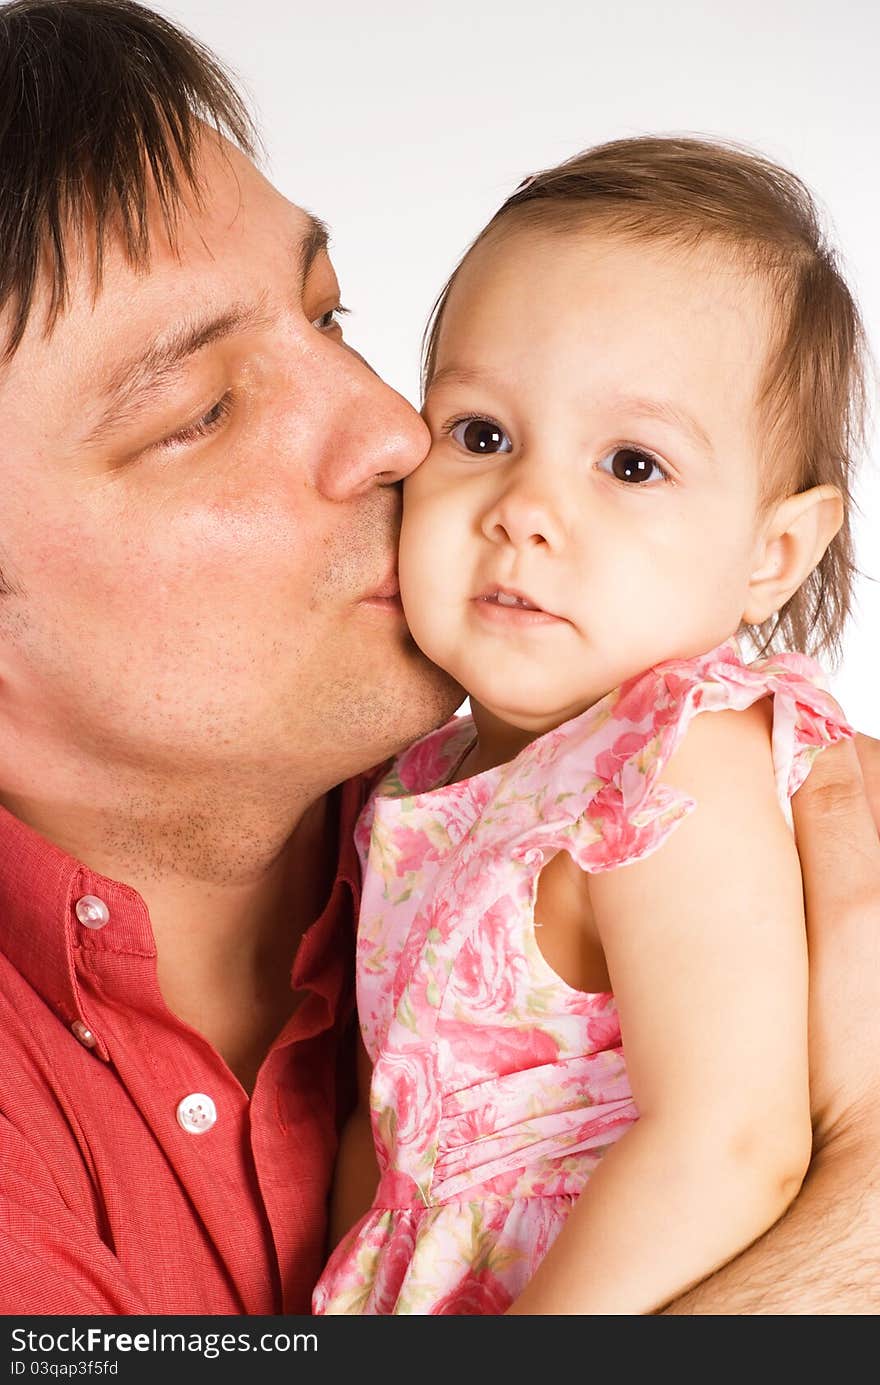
pixel 92 912
pixel 196 1113
pixel 84 1034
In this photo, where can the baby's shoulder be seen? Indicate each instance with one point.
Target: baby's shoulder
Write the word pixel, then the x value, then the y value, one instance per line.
pixel 718 750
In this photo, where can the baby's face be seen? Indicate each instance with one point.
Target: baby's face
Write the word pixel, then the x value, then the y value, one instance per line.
pixel 596 456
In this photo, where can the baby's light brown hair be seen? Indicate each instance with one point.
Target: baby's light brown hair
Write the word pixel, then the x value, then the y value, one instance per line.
pixel 812 398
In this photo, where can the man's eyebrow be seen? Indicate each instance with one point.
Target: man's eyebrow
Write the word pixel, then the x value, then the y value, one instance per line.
pixel 316 240
pixel 144 376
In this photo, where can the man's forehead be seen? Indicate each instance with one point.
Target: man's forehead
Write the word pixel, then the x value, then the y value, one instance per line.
pixel 113 352
pixel 237 218
pixel 224 226
pixel 221 267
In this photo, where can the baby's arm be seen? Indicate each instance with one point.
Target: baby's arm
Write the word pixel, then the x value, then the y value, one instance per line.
pixel 706 951
pixel 822 1256
pixel 356 1175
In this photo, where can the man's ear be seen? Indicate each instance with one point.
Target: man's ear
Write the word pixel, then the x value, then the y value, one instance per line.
pixel 797 534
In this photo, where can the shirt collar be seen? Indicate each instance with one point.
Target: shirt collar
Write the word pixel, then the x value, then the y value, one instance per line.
pixel 353 795
pixel 40 931
pixel 40 887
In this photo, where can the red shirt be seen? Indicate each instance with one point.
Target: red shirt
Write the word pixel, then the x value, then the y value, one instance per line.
pixel 121 1189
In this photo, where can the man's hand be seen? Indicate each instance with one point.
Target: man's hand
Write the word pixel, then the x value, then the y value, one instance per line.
pixel 836 815
pixel 869 759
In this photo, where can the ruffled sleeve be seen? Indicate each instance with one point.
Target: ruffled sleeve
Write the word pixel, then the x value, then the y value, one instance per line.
pixel 609 764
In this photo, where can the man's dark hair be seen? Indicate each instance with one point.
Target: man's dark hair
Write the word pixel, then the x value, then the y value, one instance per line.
pixel 100 108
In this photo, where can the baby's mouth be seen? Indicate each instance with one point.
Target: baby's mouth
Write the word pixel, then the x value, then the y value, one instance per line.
pixel 509 597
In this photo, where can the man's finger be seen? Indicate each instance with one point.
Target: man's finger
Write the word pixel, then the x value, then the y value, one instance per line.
pixel 869 759
pixel 840 861
pixel 835 832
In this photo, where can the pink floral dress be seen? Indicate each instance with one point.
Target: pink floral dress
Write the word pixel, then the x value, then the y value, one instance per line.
pixel 497 1088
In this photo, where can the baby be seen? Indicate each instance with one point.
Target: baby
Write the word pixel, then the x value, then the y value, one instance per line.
pixel 643 385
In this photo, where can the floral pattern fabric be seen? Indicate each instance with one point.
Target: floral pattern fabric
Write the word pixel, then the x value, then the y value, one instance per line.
pixel 497 1087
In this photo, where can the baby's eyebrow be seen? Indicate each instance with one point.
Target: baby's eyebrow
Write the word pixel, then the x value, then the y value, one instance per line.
pixel 463 375
pixel 665 412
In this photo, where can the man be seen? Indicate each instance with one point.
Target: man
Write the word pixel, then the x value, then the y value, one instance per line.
pixel 199 640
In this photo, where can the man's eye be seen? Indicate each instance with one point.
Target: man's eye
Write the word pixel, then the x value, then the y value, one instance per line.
pixel 632 465
pixel 480 436
pixel 204 426
pixel 327 321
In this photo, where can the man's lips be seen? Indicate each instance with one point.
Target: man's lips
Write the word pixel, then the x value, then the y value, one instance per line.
pixel 387 592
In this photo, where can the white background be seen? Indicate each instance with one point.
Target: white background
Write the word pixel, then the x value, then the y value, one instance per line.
pixel 405 125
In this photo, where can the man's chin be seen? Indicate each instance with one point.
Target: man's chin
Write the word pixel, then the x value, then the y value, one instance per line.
pixel 429 697
pixel 402 704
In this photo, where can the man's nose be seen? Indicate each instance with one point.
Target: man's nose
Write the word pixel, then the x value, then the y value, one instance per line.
pixel 524 515
pixel 372 436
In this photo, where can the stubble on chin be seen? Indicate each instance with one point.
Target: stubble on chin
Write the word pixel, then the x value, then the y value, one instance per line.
pixel 374 716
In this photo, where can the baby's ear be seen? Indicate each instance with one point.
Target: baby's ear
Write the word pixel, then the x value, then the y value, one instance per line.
pixel 796 534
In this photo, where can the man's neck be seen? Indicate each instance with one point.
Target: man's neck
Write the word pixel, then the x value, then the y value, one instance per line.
pixel 225 953
pixel 229 897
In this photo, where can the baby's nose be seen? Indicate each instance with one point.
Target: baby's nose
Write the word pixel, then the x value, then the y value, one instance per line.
pixel 523 520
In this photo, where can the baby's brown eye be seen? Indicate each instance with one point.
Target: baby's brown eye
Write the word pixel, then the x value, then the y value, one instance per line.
pixel 630 465
pixel 481 436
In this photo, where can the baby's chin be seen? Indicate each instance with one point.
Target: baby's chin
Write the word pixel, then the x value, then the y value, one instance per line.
pixel 538 714
pixel 531 695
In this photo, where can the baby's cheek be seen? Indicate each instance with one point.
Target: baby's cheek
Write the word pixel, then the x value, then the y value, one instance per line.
pixel 417 567
pixel 720 595
pixel 432 581
pixel 710 539
pixel 415 535
pixel 432 528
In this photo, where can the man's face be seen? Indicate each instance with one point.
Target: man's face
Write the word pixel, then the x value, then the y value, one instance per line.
pixel 204 559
